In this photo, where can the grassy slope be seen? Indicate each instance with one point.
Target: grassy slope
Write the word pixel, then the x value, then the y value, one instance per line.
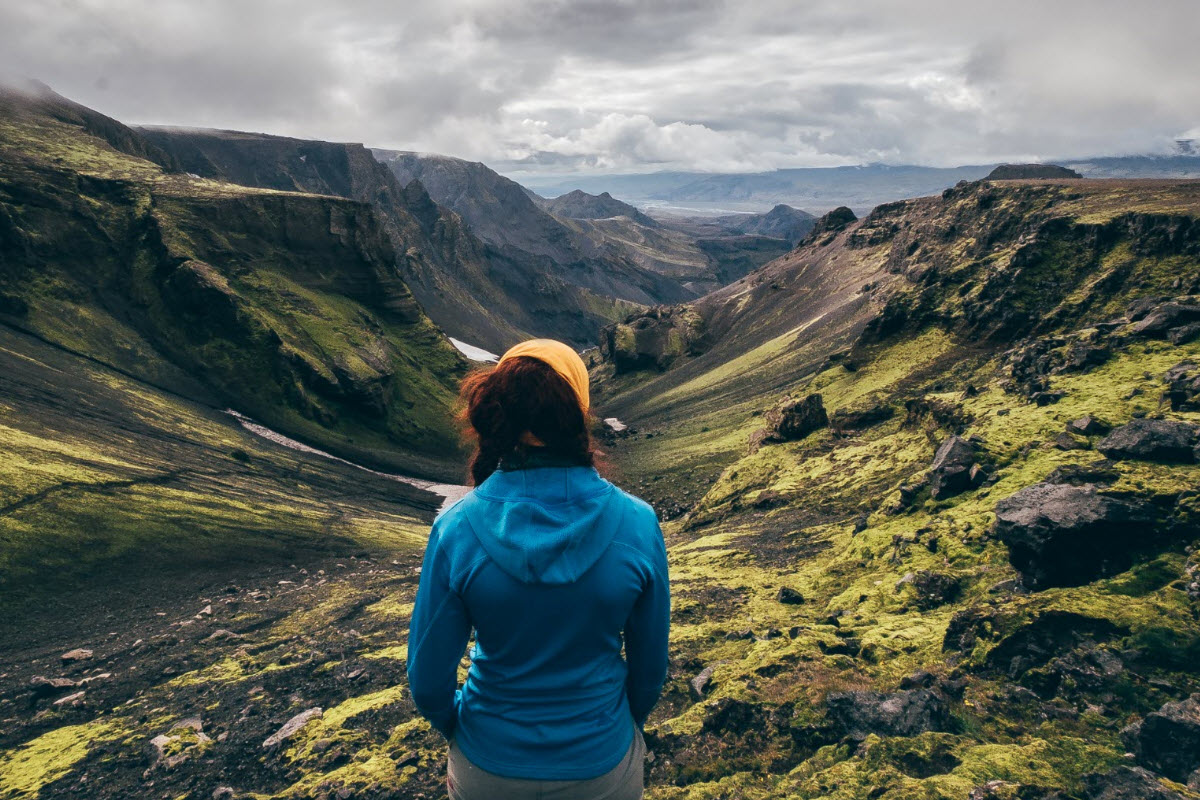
pixel 287 306
pixel 787 515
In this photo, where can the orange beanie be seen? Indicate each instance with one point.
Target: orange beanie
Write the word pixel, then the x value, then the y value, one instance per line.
pixel 562 359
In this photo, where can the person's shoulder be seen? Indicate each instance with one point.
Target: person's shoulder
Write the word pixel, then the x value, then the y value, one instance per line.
pixel 641 514
pixel 637 506
pixel 450 526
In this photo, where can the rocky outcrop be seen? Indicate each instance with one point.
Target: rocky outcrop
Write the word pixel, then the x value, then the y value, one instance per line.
pixel 1063 535
pixel 1161 321
pixel 833 222
pixel 859 714
pixel 581 205
pixel 1183 386
pixel 1014 172
pixel 654 339
pixel 1168 740
pixel 1162 440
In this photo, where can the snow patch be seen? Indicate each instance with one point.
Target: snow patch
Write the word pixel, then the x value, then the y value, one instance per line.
pixel 472 352
pixel 449 492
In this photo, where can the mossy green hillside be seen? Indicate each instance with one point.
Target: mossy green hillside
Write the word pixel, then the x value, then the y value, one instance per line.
pixel 286 306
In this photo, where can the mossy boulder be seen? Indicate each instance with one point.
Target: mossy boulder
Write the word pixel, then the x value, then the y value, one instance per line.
pixel 655 339
pixel 1164 440
pixel 1063 535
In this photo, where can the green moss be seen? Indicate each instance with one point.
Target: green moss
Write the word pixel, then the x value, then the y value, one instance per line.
pixel 25 770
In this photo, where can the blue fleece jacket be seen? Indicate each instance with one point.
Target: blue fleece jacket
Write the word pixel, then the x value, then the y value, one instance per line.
pixel 554 568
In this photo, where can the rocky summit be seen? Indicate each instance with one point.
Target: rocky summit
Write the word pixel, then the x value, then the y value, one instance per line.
pixel 928 478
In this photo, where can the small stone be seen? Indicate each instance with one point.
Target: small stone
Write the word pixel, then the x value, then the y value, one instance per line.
pixel 71 700
pixel 205 612
pixel 734 636
pixel 78 654
pixel 292 726
pixel 1162 440
pixel 223 635
pixel 1088 426
pixel 222 793
pixel 701 682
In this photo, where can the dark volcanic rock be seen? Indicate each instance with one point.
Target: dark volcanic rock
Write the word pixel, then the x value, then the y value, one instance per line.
pixel 856 715
pixel 1152 440
pixel 832 222
pixel 1168 740
pixel 1013 172
pixel 950 473
pixel 1127 783
pixel 1062 535
pixel 935 588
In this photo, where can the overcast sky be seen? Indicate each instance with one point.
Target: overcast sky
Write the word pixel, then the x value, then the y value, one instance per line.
pixel 638 86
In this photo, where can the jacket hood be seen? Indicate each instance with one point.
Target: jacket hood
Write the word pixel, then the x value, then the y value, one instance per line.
pixel 545 525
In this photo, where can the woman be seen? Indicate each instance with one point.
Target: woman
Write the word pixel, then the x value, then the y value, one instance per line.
pixel 554 568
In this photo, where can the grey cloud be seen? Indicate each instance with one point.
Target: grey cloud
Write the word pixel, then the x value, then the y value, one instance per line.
pixel 556 85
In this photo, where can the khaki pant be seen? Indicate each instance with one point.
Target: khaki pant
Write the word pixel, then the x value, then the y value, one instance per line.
pixel 466 781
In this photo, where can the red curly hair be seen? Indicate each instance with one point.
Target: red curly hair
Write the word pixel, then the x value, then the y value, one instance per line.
pixel 523 395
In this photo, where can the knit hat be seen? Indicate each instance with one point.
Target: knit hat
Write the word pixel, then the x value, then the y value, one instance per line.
pixel 562 359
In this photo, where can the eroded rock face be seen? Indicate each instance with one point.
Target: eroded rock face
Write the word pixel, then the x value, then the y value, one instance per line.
pixel 856 715
pixel 1063 535
pixel 1168 740
pixel 654 339
pixel 1165 440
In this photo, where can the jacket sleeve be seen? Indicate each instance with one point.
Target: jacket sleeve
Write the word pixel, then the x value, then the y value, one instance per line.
pixel 437 637
pixel 646 633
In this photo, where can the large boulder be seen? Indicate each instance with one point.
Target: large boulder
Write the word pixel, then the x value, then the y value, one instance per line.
pixel 795 419
pixel 790 420
pixel 951 472
pixel 1164 440
pixel 856 715
pixel 1168 740
pixel 1063 535
pixel 653 339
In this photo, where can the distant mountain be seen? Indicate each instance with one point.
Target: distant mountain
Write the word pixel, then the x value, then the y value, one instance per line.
pixel 603 256
pixel 781 222
pixel 820 189
pixel 581 205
